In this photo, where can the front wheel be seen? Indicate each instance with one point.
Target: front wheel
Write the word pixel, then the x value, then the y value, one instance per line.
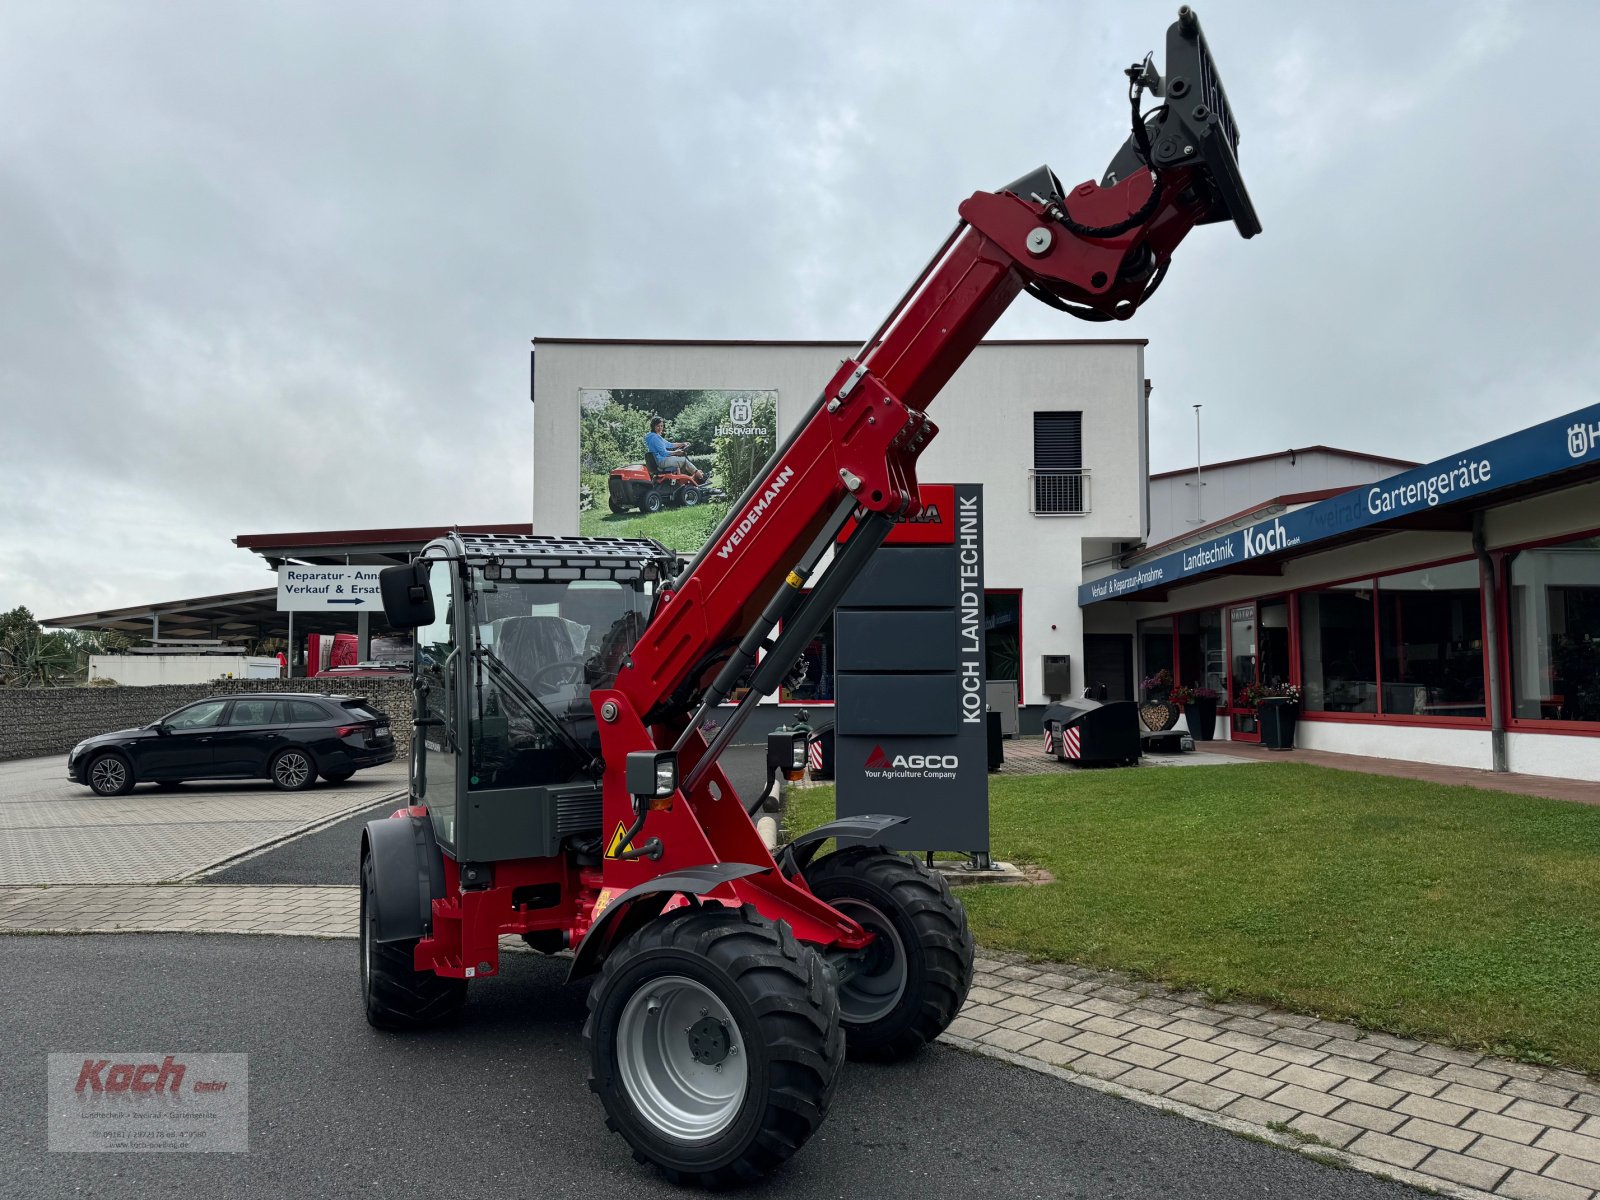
pixel 912 981
pixel 714 1044
pixel 651 502
pixel 395 994
pixel 110 775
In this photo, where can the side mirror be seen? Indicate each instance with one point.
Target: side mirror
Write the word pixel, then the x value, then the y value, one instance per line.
pixel 162 729
pixel 407 602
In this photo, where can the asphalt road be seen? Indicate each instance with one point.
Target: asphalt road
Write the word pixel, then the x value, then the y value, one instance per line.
pixel 330 855
pixel 497 1105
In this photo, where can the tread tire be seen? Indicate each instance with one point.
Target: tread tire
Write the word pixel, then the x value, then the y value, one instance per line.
pixel 127 783
pixel 932 926
pixel 394 993
pixel 782 995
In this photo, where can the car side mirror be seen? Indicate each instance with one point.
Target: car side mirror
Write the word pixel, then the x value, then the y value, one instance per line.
pixel 407 602
pixel 162 728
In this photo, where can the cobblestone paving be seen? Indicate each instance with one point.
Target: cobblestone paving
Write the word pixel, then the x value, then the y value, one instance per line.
pixel 1453 1120
pixel 54 831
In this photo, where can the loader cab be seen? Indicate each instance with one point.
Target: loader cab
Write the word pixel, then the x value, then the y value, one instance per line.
pixel 512 637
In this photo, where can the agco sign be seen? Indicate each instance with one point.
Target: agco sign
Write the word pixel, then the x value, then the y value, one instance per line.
pixel 880 765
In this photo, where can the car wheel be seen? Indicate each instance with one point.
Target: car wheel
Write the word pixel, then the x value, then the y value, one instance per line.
pixel 293 771
pixel 110 775
pixel 337 776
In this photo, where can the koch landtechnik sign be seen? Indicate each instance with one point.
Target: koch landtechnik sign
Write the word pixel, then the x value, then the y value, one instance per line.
pixel 1543 449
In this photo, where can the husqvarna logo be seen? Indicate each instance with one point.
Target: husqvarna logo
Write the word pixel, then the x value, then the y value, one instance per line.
pixel 741 412
pixel 880 765
pixel 1582 438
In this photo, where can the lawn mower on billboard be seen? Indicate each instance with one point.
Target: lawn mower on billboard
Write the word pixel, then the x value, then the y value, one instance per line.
pixel 565 785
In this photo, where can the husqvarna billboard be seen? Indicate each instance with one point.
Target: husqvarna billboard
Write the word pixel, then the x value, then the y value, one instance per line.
pixel 911 722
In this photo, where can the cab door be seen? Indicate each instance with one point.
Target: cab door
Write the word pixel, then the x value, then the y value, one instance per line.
pixel 437 740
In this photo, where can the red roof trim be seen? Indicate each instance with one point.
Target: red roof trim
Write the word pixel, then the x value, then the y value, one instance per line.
pixel 343 537
pixel 1238 462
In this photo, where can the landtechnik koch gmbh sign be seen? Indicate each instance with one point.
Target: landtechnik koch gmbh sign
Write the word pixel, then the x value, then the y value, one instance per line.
pixel 1542 449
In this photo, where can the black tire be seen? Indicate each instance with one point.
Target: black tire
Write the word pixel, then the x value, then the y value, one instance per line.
pixel 617 506
pixel 292 770
pixel 651 502
pixel 337 776
pixel 914 914
pixel 109 774
pixel 691 497
pixel 395 994
pixel 782 1003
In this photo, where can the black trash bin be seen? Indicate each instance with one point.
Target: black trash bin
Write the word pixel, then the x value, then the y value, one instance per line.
pixel 1278 719
pixel 1090 733
pixel 819 751
pixel 997 744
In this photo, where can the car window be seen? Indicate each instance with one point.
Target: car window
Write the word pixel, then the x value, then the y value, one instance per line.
pixel 304 710
pixel 252 712
pixel 198 716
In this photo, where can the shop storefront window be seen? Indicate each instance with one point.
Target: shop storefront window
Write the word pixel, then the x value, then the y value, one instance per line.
pixel 1202 662
pixel 1555 631
pixel 1002 626
pixel 1338 665
pixel 1155 646
pixel 1430 630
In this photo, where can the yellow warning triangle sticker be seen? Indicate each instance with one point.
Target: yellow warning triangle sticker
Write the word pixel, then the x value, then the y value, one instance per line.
pixel 614 846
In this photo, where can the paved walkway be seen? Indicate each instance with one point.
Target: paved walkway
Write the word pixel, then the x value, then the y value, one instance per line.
pixel 56 831
pixel 1452 1120
pixel 1577 790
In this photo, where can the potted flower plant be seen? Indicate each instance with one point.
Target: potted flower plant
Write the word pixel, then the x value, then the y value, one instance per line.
pixel 1280 708
pixel 1158 686
pixel 1200 706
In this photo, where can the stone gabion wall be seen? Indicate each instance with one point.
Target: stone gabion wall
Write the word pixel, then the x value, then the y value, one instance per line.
pixel 40 721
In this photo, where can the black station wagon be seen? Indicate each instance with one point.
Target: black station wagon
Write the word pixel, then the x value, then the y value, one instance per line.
pixel 289 739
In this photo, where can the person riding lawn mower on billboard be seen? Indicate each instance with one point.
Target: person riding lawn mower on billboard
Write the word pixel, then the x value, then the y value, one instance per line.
pixel 666 478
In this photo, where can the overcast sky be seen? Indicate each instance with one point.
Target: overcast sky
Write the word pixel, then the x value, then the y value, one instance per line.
pixel 276 266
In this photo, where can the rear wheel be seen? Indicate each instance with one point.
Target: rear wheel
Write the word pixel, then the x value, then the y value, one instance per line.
pixel 110 775
pixel 617 506
pixel 714 1044
pixel 293 771
pixel 912 981
pixel 397 995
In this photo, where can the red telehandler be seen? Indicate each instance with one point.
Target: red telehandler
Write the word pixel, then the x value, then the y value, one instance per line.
pixel 563 788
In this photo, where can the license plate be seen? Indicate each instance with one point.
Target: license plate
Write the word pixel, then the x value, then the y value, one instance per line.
pixel 383 731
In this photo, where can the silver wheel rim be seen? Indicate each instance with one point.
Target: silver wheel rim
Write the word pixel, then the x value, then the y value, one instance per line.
pixel 292 770
pixel 108 775
pixel 875 990
pixel 682 1059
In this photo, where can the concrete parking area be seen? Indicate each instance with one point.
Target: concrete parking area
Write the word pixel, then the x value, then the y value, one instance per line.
pixel 54 831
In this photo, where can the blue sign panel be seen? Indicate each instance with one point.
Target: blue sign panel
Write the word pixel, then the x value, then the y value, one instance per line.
pixel 1543 449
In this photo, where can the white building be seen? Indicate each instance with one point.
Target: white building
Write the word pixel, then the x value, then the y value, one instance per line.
pixel 1056 431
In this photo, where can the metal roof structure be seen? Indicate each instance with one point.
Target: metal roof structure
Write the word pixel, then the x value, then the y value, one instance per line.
pixel 359 547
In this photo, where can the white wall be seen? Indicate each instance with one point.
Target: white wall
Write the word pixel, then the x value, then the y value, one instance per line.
pixel 1230 489
pixel 148 670
pixel 985 417
pixel 1406 743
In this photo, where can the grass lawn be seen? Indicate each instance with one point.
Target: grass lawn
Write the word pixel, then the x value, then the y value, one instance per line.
pixel 1443 912
pixel 682 529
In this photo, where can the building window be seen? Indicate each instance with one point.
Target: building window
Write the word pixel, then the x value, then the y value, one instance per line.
pixel 1555 631
pixel 1060 484
pixel 1202 662
pixel 811 680
pixel 1002 632
pixel 1430 639
pixel 1155 646
pixel 1338 662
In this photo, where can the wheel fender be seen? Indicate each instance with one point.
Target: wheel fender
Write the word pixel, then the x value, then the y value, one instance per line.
pixel 638 904
pixel 407 875
pixel 863 829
